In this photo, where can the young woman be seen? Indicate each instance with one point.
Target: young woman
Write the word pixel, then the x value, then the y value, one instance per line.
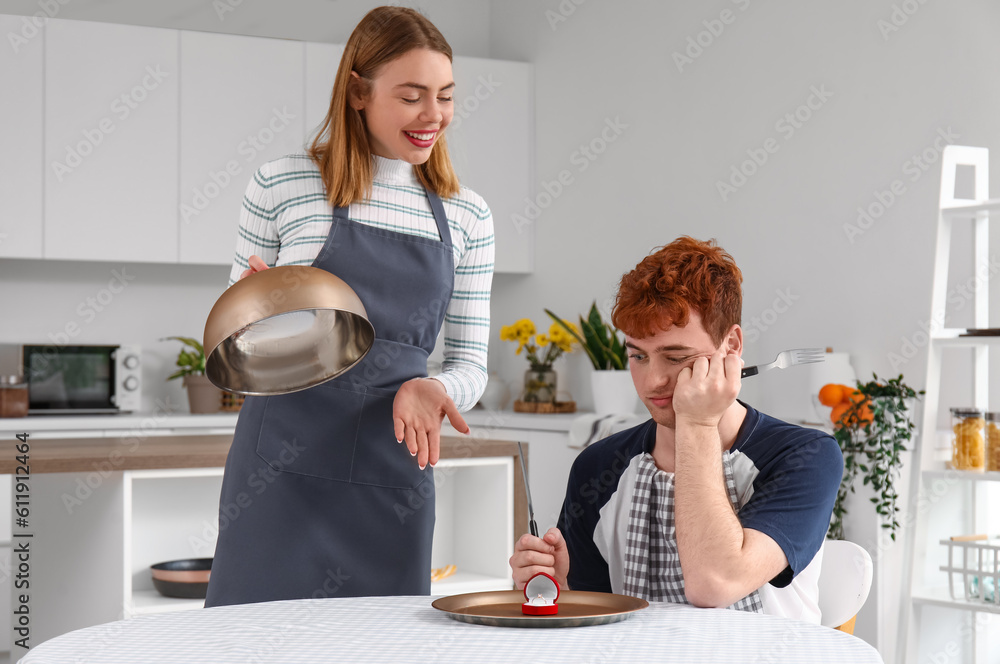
pixel 329 491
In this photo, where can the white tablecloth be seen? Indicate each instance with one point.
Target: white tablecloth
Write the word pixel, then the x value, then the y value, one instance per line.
pixel 408 629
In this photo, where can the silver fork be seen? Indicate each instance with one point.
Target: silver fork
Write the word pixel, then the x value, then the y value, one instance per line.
pixel 785 359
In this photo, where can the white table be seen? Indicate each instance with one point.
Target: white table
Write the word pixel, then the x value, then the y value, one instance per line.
pixel 408 629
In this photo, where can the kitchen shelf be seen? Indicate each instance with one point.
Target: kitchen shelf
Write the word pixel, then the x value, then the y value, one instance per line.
pixel 964 211
pixel 939 596
pixel 966 475
pixel 146 602
pixel 964 342
pixel 467 582
pixel 169 514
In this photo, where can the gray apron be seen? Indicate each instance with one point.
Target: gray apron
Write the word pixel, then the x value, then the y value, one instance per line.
pixel 318 498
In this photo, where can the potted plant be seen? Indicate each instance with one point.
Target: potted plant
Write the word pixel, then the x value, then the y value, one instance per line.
pixel 203 396
pixel 611 385
pixel 873 426
pixel 541 350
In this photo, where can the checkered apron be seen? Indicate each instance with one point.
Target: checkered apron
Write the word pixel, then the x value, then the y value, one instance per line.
pixel 652 564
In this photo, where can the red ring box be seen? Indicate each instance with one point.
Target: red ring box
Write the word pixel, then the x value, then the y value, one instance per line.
pixel 541 596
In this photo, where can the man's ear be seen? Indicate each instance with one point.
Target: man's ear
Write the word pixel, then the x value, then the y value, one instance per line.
pixel 734 340
pixel 356 88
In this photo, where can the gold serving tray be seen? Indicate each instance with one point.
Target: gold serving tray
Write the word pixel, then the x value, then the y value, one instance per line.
pixel 502 608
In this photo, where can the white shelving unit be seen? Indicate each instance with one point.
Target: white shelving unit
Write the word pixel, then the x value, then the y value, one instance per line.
pixel 474 519
pixel 946 502
pixel 168 515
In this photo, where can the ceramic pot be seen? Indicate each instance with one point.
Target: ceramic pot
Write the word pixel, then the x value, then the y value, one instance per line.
pixel 613 392
pixel 203 396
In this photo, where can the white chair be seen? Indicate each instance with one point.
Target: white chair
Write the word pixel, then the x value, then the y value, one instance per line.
pixel 844 582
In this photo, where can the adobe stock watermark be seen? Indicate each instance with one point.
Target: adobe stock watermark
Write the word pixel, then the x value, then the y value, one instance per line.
pixel 786 126
pixel 248 148
pixel 31 26
pixel 697 44
pixel 913 168
pixel 471 103
pixel 958 297
pixel 767 318
pixel 223 7
pixel 581 158
pixel 561 14
pixel 121 108
pixel 898 17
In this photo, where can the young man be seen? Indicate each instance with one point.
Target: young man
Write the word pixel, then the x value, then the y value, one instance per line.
pixel 710 502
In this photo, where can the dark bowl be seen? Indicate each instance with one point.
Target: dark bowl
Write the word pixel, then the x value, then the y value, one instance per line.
pixel 187 579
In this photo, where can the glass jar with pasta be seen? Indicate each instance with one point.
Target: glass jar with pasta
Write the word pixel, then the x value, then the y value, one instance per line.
pixel 993 441
pixel 968 447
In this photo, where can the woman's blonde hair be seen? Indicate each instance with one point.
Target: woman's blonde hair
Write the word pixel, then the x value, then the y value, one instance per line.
pixel 341 149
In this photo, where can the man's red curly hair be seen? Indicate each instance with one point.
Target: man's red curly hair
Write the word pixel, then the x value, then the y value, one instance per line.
pixel 685 274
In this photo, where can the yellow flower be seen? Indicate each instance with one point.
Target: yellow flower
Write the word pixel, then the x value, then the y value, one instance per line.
pixel 561 338
pixel 542 340
pixel 525 328
pixel 507 333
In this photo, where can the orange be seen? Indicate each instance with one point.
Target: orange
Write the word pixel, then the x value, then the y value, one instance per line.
pixel 864 415
pixel 831 394
pixel 855 396
pixel 838 412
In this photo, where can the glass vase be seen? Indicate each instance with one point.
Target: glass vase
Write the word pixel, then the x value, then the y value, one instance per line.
pixel 539 385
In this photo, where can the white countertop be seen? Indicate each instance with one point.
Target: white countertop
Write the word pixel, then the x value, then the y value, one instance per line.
pixel 98 425
pixel 508 419
pixel 152 423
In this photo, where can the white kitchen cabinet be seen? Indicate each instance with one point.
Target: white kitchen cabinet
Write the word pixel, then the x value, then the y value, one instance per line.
pixel 241 105
pixel 491 141
pixel 21 166
pixel 111 132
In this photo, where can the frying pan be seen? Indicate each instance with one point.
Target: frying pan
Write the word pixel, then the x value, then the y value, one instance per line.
pixel 285 329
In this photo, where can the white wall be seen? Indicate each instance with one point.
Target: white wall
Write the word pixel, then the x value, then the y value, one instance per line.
pixel 68 302
pixel 465 23
pixel 890 97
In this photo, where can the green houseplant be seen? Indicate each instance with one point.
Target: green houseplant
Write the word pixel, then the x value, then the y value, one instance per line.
pixel 612 387
pixel 599 340
pixel 203 396
pixel 873 426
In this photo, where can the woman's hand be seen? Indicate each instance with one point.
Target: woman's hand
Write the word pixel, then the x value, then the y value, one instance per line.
pixel 257 264
pixel 540 554
pixel 417 411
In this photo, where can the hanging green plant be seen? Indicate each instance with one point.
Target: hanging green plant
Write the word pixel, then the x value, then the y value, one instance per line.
pixel 873 427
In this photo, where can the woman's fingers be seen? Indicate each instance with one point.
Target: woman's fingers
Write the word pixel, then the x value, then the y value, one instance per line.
pixel 257 263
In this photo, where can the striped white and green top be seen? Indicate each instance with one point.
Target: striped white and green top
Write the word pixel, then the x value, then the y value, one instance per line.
pixel 286 219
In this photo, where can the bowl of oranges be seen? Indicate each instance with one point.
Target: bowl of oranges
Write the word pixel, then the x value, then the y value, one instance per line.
pixel 846 405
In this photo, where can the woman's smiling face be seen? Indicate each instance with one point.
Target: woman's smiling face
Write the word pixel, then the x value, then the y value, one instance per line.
pixel 409 105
